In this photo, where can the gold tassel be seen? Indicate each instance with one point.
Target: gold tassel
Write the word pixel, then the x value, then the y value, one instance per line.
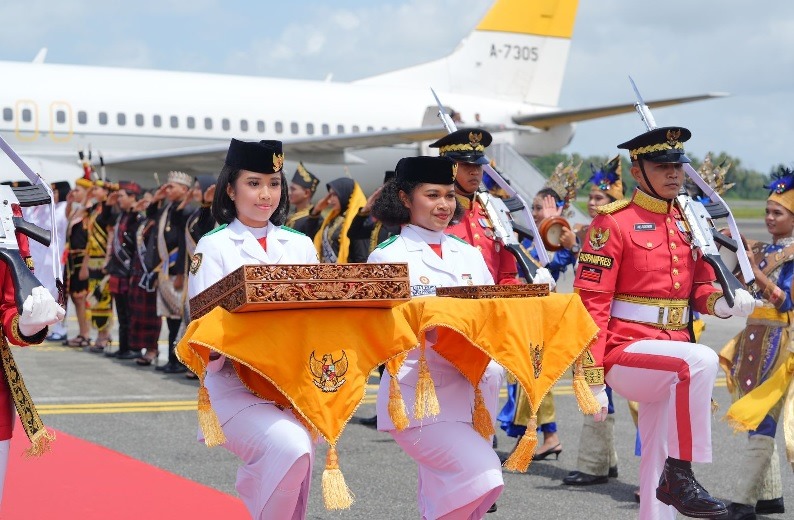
pixel 397 412
pixel 426 401
pixel 522 455
pixel 584 396
pixel 40 443
pixel 336 494
pixel 481 417
pixel 208 420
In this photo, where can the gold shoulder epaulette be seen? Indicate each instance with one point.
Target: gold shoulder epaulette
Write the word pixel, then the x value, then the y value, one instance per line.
pixel 612 207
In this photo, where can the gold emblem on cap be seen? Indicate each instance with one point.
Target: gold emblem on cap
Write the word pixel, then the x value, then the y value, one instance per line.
pixel 278 162
pixel 672 136
pixel 303 173
pixel 454 171
pixel 474 139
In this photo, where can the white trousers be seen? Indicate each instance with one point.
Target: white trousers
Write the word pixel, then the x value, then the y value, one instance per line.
pixel 673 382
pixel 460 475
pixel 277 454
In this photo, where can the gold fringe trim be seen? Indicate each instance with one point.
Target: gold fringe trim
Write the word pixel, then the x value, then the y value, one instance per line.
pixel 40 443
pixel 481 417
pixel 336 494
pixel 738 425
pixel 584 396
pixel 397 412
pixel 522 455
pixel 715 406
pixel 208 420
pixel 426 401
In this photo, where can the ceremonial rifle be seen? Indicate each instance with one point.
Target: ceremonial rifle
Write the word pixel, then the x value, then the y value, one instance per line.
pixel 699 220
pixel 499 214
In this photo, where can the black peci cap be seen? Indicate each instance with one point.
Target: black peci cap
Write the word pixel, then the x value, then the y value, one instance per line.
pixel 465 145
pixel 305 179
pixel 432 170
pixel 660 145
pixel 261 157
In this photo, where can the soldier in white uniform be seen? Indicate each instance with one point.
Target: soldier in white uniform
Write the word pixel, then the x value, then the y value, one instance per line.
pixel 276 449
pixel 460 475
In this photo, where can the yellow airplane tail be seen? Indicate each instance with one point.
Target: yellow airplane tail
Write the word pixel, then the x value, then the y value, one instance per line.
pixel 517 52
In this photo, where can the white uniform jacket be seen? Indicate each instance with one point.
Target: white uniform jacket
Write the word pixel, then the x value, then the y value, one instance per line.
pixel 222 251
pixel 461 264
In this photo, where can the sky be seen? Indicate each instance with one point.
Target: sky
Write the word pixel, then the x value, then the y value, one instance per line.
pixel 673 48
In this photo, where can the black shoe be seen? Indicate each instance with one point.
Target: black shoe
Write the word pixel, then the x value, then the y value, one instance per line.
pixel 369 421
pixel 174 368
pixel 492 509
pixel 678 488
pixel 128 354
pixel 579 478
pixel 613 471
pixel 543 455
pixel 741 512
pixel 111 354
pixel 770 507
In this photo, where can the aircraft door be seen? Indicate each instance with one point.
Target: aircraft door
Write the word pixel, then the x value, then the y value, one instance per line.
pixel 60 121
pixel 27 120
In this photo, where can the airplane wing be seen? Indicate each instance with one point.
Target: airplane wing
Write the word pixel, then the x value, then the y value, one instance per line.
pixel 549 119
pixel 327 149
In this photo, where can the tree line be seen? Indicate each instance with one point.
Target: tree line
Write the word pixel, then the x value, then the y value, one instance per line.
pixel 749 183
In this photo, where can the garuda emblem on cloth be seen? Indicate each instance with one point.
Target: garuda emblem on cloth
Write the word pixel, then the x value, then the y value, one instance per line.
pixel 598 237
pixel 537 359
pixel 328 371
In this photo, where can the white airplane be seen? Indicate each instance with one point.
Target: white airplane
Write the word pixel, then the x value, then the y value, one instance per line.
pixel 506 75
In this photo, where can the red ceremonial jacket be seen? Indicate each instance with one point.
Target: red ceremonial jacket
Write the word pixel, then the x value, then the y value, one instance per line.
pixel 639 248
pixel 474 229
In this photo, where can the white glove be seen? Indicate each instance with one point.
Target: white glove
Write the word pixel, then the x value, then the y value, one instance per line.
pixel 542 275
pixel 39 310
pixel 600 393
pixel 743 305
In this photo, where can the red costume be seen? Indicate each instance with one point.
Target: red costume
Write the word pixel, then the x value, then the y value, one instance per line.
pixel 474 229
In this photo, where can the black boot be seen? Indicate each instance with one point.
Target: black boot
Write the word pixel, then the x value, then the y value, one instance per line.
pixel 770 507
pixel 678 488
pixel 741 512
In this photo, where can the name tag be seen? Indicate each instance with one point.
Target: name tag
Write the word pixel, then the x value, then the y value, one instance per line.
pixel 645 226
pixel 597 260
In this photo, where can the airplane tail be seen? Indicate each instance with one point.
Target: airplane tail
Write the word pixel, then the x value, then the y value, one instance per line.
pixel 517 52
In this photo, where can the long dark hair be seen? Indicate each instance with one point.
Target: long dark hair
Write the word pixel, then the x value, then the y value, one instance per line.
pixel 223 208
pixel 389 209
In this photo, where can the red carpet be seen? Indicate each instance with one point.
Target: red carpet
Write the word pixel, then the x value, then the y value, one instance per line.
pixel 80 480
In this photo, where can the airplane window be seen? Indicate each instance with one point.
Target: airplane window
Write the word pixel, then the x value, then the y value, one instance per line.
pixel 138 119
pixel 208 123
pixel 121 118
pixel 279 127
pixel 60 116
pixel 243 125
pixel 355 129
pixel 340 129
pixel 82 117
pixel 225 124
pixel 384 128
pixel 293 128
pixel 27 115
pixel 326 129
pixel 310 128
pixel 174 122
pixel 260 126
pixel 191 122
pixel 103 118
pixel 8 114
pixel 370 129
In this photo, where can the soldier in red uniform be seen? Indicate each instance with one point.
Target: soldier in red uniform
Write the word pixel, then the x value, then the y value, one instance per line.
pixel 640 278
pixel 467 148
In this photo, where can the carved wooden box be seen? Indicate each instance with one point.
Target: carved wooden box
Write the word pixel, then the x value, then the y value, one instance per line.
pixel 305 286
pixel 494 291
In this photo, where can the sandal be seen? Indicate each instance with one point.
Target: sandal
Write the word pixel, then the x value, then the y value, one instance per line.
pixel 78 341
pixel 148 358
pixel 99 345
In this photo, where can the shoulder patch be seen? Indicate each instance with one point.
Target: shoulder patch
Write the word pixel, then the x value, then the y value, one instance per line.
pixel 387 242
pixel 222 226
pixel 195 263
pixel 457 238
pixel 287 228
pixel 612 207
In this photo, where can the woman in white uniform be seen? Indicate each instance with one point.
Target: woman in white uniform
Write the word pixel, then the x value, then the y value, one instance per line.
pixel 460 476
pixel 276 449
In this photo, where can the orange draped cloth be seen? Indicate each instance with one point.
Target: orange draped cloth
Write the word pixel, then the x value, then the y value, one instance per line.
pixel 317 361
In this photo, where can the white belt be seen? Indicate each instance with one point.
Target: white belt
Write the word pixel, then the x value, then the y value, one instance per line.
pixel 673 317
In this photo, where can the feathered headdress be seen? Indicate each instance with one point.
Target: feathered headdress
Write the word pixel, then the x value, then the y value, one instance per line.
pixel 780 188
pixel 564 181
pixel 608 178
pixel 713 175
